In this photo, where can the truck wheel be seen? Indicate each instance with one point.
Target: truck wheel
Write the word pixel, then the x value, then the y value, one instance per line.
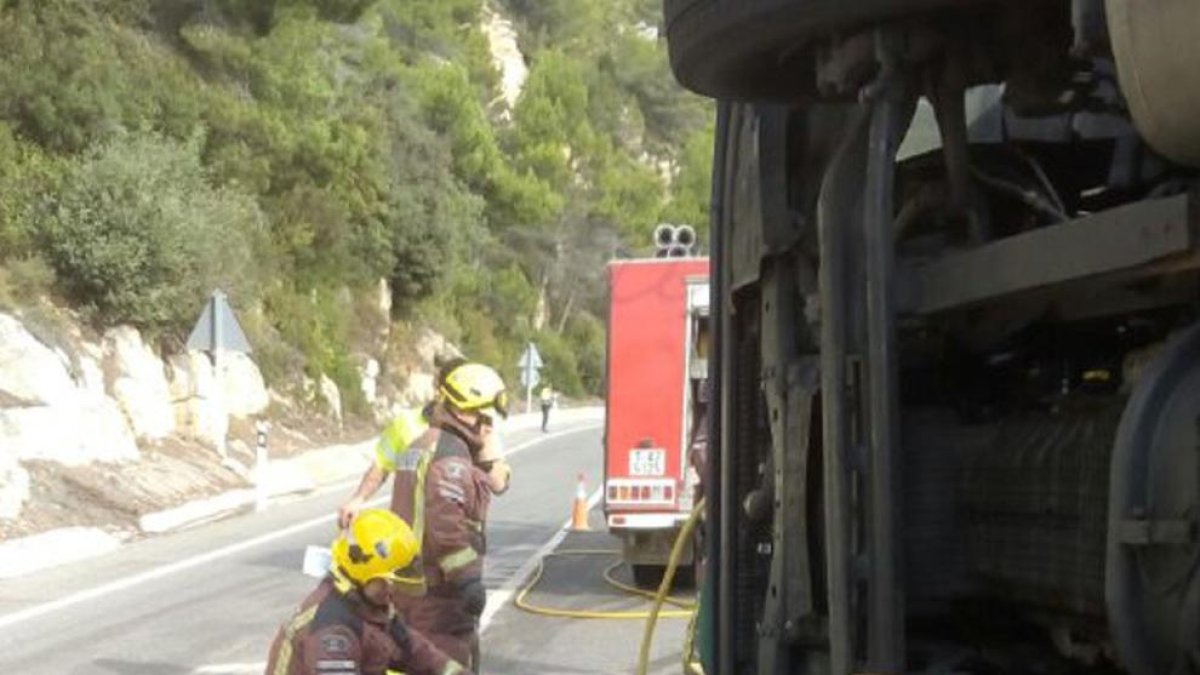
pixel 685 577
pixel 651 576
pixel 648 576
pixel 758 56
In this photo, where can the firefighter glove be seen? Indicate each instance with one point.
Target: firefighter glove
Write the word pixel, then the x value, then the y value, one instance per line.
pixel 474 595
pixel 399 634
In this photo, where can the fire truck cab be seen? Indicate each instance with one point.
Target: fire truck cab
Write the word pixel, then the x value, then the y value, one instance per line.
pixel 656 368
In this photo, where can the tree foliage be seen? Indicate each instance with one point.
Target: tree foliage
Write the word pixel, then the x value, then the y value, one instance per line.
pixel 138 235
pixel 296 151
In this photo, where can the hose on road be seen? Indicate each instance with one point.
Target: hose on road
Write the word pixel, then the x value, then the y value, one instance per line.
pixel 664 588
pixel 522 598
pixel 686 608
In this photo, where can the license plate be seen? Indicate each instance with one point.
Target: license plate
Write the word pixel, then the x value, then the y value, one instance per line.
pixel 647 463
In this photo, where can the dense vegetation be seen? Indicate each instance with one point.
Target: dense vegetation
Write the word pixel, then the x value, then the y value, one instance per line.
pixel 294 152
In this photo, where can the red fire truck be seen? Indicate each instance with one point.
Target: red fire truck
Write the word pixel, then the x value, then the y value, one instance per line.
pixel 656 365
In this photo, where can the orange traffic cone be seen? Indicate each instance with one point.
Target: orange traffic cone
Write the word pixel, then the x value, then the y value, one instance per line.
pixel 579 509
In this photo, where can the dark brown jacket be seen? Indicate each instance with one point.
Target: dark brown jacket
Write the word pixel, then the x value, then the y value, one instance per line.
pixel 335 634
pixel 446 497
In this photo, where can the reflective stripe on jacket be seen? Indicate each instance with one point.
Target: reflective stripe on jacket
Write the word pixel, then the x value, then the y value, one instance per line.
pixel 440 491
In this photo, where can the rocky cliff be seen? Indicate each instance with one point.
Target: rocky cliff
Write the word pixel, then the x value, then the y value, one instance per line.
pixel 97 427
pixel 74 400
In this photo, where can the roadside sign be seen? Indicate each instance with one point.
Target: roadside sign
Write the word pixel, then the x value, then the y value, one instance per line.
pixel 529 363
pixel 530 358
pixel 530 378
pixel 217 328
pixel 217 331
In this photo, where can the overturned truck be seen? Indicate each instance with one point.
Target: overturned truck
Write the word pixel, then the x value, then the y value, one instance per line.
pixel 955 300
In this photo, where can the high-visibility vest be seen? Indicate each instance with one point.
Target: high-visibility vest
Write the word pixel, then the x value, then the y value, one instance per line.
pixel 398 436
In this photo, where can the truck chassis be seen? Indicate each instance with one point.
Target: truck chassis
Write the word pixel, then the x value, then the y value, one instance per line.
pixel 957 377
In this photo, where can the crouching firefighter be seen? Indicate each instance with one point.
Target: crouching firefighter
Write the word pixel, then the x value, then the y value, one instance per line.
pixel 445 490
pixel 347 626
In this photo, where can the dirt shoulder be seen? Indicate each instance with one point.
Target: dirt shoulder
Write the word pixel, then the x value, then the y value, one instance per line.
pixel 113 496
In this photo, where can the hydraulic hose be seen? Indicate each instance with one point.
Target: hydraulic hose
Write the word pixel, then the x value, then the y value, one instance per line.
pixel 664 588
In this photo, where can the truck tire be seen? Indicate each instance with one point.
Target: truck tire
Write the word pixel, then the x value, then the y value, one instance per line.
pixel 685 577
pixel 761 41
pixel 648 576
pixel 651 576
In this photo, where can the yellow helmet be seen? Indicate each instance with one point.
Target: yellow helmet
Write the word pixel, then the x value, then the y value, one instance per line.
pixel 378 544
pixel 474 387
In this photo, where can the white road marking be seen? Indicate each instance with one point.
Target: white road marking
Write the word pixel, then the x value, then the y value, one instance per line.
pixel 163 571
pixel 231 668
pixel 521 447
pixel 500 597
pixel 196 561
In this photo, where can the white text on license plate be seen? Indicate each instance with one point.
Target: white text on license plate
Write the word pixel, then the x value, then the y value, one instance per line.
pixel 647 462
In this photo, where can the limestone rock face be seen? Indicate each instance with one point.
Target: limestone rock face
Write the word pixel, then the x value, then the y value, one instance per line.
pixel 418 390
pixel 53 409
pixel 369 373
pixel 77 434
pixel 75 400
pixel 31 373
pixel 244 390
pixel 14 486
pixel 430 346
pixel 333 397
pixel 195 397
pixel 506 55
pixel 138 383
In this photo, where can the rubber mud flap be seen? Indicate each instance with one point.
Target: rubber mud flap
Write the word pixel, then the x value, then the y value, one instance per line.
pixel 755 49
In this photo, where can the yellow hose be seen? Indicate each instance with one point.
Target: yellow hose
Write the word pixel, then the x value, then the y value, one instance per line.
pixel 649 595
pixel 664 588
pixel 522 600
pixel 691 664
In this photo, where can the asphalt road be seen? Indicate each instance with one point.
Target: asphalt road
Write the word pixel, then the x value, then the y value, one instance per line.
pixel 209 599
pixel 518 642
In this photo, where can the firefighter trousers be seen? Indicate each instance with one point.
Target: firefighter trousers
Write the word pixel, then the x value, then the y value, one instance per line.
pixel 445 620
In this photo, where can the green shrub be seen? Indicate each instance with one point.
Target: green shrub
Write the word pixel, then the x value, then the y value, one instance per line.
pixel 280 362
pixel 72 74
pixel 138 235
pixel 27 173
pixel 319 323
pixel 22 280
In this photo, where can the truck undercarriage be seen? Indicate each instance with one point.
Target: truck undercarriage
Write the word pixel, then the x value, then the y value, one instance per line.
pixel 957 374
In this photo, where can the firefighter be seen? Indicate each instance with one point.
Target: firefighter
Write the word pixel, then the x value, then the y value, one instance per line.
pixel 396 439
pixel 548 399
pixel 446 490
pixel 347 625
